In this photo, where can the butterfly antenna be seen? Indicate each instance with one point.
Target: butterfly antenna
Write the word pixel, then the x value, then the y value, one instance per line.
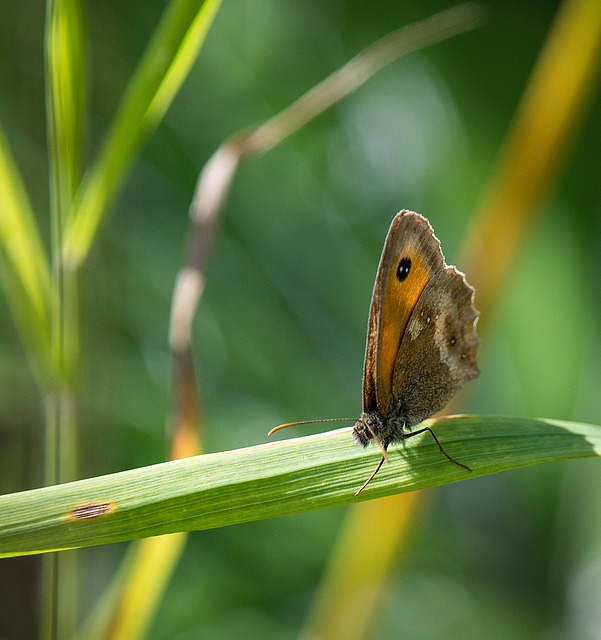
pixel 371 477
pixel 291 424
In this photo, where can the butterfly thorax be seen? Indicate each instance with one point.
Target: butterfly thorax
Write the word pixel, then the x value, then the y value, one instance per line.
pixel 372 426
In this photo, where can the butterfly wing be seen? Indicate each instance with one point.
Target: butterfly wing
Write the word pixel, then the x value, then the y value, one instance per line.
pixel 438 350
pixel 410 257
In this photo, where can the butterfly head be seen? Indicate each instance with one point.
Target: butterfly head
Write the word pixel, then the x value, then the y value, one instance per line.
pixel 367 428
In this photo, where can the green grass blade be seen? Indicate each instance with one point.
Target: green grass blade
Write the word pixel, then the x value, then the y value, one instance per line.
pixel 274 479
pixel 23 260
pixel 65 97
pixel 161 72
pixel 66 55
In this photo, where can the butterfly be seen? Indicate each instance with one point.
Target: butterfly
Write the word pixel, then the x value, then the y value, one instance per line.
pixel 421 339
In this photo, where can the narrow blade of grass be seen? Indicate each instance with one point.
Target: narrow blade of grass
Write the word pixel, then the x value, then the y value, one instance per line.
pixel 538 143
pixel 127 607
pixel 66 40
pixel 65 78
pixel 274 479
pixel 23 261
pixel 160 73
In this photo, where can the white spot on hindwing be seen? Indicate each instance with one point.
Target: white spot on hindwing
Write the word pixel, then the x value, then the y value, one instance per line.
pixel 416 326
pixel 446 343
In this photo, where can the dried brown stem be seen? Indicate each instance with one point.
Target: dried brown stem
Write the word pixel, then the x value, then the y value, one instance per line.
pixel 216 177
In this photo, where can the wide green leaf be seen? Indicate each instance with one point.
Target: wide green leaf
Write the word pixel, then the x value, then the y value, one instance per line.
pixel 275 479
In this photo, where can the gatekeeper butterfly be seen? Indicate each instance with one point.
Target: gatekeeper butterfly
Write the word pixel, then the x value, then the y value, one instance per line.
pixel 421 339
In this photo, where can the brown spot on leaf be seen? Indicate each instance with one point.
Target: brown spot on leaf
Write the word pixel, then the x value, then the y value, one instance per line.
pixel 92 510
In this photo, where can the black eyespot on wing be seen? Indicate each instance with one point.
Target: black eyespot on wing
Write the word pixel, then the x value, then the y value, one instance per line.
pixel 403 269
pixel 453 341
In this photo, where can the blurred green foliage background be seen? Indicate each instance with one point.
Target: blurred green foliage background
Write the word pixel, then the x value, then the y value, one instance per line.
pixel 280 331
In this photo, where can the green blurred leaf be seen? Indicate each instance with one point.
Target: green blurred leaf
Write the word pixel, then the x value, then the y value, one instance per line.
pixel 66 70
pixel 23 261
pixel 274 479
pixel 160 73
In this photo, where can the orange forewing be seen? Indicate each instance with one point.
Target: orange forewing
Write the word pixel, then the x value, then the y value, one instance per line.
pixel 410 236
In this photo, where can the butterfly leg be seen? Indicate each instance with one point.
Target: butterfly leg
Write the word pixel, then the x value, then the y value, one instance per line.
pixel 374 435
pixel 370 477
pixel 414 433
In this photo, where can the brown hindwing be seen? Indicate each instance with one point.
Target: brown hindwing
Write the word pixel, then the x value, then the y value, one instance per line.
pixel 438 352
